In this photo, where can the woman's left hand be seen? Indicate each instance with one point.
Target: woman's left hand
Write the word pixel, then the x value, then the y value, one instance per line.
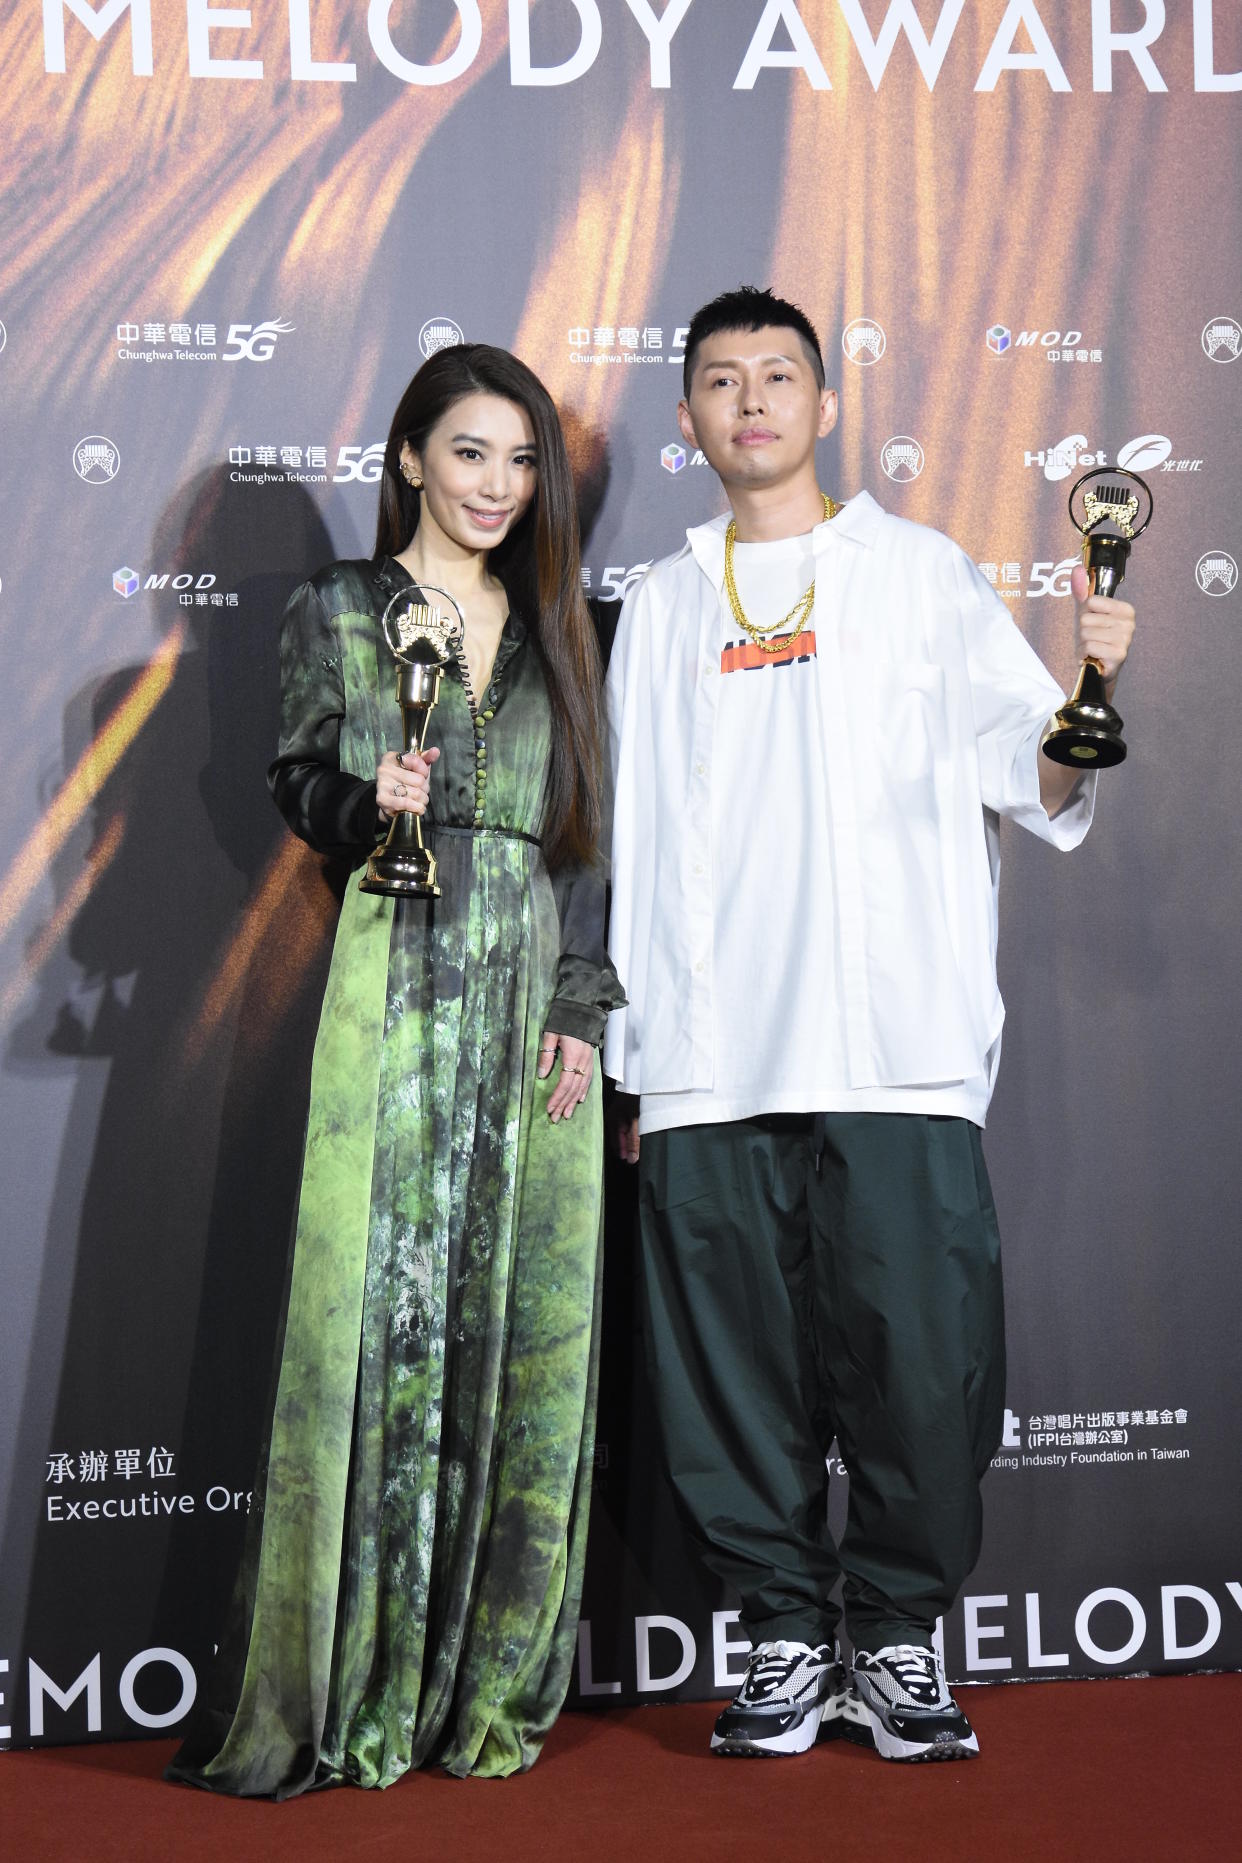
pixel 577 1067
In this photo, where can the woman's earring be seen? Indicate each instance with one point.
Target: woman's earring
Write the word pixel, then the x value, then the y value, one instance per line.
pixel 411 478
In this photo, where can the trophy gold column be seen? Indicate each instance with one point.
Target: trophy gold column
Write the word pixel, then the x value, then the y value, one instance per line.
pixel 421 637
pixel 1105 506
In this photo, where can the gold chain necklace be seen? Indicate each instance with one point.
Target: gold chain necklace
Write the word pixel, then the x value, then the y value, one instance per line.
pixel 798 615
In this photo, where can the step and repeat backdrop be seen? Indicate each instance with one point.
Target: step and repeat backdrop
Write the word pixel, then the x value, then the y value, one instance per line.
pixel 230 235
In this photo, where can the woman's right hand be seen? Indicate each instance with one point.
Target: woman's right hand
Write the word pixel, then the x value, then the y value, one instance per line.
pixel 403 783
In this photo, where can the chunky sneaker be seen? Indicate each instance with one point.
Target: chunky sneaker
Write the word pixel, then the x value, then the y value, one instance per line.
pixel 780 1704
pixel 912 1714
pixel 843 1716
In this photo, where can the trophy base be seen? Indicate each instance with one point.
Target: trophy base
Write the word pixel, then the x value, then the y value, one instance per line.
pixel 1082 748
pixel 1086 732
pixel 397 875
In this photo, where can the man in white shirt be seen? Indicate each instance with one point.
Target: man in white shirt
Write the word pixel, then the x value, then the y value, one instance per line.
pixel 818 715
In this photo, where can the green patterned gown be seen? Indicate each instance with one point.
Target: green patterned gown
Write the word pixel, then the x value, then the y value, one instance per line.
pixel 411 1586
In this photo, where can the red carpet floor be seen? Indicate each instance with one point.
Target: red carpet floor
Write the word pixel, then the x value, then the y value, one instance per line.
pixel 1148 1772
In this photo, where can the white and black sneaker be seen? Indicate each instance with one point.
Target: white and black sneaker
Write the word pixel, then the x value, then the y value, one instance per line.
pixel 781 1703
pixel 913 1716
pixel 843 1716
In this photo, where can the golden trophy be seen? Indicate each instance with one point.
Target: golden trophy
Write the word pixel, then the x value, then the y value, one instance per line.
pixel 1105 506
pixel 421 637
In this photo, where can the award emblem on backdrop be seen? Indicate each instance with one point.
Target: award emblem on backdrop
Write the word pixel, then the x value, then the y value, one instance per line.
pixel 1110 507
pixel 421 637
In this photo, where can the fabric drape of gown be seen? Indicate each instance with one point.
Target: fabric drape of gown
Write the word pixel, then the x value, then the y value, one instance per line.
pixel 413 1571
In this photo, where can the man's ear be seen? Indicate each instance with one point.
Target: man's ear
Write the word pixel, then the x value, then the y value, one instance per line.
pixel 827 413
pixel 687 425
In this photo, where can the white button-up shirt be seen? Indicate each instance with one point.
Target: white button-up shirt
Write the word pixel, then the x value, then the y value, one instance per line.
pixel 932 707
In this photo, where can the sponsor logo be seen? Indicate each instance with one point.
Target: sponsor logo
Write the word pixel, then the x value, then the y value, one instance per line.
pixel 1067 456
pixel 1222 339
pixel 439 333
pixel 864 342
pixel 262 463
pixel 599 345
pixel 902 459
pixel 96 459
pixel 1216 573
pixel 1045 579
pixel 193 590
pixel 673 457
pixel 154 340
pixel 126 582
pixel 1151 452
pixel 1147 452
pixel 1091 1436
pixel 362 464
pixel 1057 345
pixel 616 583
pixel 254 342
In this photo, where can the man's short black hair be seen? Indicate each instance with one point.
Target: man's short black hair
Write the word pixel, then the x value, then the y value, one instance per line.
pixel 749 308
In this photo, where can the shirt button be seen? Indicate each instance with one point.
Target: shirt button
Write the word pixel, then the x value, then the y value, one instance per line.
pixel 698 867
pixel 700 769
pixel 699 967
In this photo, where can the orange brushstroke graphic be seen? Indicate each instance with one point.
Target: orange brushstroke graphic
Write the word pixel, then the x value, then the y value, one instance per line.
pixel 98 860
pixel 235 964
pixel 97 192
pixel 984 220
pixel 351 210
pixel 605 258
pixel 87 778
pixel 121 220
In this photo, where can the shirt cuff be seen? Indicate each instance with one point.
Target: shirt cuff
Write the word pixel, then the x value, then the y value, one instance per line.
pixel 582 1021
pixel 1069 825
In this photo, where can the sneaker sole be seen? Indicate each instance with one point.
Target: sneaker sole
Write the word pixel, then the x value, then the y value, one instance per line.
pixel 799 1739
pixel 845 1718
pixel 891 1747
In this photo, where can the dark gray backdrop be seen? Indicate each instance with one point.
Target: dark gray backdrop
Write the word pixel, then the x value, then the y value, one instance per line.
pixel 1045 232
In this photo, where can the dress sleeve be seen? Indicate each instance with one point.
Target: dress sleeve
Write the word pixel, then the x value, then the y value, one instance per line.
pixel 334 812
pixel 587 986
pixel 1013 697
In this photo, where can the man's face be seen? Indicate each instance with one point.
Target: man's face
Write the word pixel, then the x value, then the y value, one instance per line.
pixel 756 407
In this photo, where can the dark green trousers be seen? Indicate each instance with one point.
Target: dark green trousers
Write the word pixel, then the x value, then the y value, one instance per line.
pixel 810 1279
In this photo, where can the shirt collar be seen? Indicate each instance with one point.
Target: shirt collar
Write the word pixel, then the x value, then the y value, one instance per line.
pixel 858 521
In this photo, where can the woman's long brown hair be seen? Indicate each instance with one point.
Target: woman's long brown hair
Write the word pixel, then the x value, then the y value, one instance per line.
pixel 537 563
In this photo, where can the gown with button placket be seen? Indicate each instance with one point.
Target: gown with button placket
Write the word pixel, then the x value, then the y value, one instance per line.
pixel 413 1571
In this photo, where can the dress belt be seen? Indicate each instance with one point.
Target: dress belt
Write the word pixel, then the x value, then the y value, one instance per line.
pixel 509 834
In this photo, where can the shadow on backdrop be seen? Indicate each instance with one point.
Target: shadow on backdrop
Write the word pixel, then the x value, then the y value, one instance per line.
pixel 184 999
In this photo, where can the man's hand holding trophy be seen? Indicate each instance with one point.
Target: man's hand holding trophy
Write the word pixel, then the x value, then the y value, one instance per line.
pixel 1110 507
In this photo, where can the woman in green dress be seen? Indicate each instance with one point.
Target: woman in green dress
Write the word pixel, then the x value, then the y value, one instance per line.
pixel 413 1573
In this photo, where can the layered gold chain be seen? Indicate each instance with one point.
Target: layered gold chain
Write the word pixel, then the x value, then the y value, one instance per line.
pixel 782 633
